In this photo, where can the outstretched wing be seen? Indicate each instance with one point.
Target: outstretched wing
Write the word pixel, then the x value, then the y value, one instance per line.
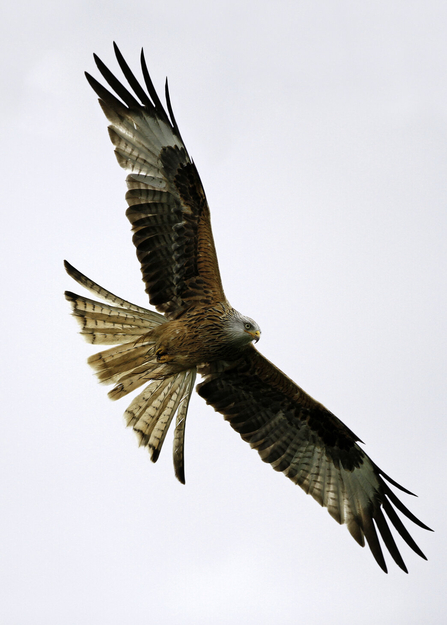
pixel 167 205
pixel 311 446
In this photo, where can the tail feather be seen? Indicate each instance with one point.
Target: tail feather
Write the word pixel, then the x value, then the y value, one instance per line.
pixel 115 356
pixel 160 430
pixel 108 325
pixel 110 367
pixel 179 432
pixel 130 363
pixel 151 412
pixel 158 409
pixel 142 402
pixel 136 378
pixel 106 295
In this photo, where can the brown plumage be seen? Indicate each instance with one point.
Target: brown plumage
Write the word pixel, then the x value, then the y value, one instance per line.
pixel 198 331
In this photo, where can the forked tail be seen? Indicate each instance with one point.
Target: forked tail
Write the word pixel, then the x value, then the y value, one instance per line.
pixel 131 363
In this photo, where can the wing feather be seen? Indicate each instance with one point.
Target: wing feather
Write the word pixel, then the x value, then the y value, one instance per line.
pixel 167 205
pixel 301 438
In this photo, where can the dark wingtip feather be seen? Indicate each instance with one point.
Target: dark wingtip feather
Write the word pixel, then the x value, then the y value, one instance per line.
pixel 400 506
pixel 103 93
pixel 151 101
pixel 393 482
pixel 388 539
pixel 152 91
pixel 373 541
pixel 92 81
pixel 116 85
pixel 130 77
pixel 171 112
pixel 401 529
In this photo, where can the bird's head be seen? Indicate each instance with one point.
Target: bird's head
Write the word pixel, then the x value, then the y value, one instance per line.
pixel 242 330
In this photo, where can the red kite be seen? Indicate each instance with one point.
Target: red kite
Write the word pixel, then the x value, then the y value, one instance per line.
pixel 198 331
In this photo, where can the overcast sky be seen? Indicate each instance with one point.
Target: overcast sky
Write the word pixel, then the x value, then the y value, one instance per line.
pixel 320 132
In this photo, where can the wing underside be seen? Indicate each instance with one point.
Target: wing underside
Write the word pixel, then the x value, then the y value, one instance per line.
pixel 302 439
pixel 168 209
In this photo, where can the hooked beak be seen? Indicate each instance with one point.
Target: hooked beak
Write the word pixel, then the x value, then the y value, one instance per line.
pixel 256 335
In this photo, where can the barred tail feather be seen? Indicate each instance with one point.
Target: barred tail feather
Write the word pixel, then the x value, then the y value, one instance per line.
pixel 136 378
pixel 180 426
pixel 103 324
pixel 106 295
pixel 159 401
pixel 131 362
pixel 151 413
pixel 112 364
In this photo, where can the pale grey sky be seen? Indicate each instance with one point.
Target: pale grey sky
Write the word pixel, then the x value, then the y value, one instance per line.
pixel 320 133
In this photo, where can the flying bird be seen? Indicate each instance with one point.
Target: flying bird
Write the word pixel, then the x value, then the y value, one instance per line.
pixel 196 330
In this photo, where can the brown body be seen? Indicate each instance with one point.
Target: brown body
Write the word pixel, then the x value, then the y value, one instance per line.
pixel 193 339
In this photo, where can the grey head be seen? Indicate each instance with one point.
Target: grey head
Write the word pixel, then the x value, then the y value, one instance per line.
pixel 241 330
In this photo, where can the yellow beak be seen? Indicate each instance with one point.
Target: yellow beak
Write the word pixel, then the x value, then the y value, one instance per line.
pixel 256 335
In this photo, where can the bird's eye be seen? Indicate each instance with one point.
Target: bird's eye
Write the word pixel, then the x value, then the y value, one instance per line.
pixel 248 326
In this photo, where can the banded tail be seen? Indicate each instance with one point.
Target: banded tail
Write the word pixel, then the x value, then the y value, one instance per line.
pixel 131 363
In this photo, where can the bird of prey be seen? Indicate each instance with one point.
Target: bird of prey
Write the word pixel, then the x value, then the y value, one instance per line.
pixel 197 331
